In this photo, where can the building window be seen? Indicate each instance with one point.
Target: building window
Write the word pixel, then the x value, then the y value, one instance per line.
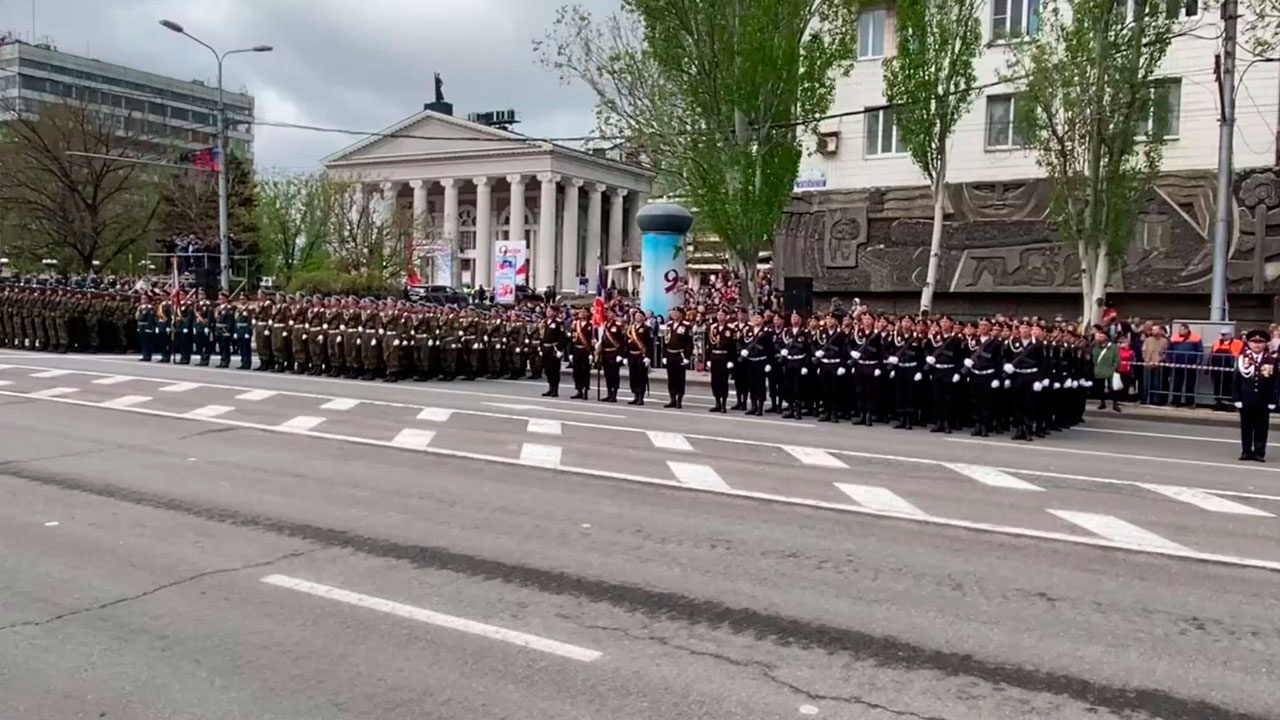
pixel 871 34
pixel 1011 19
pixel 1174 9
pixel 1002 131
pixel 882 133
pixel 467 228
pixel 1164 109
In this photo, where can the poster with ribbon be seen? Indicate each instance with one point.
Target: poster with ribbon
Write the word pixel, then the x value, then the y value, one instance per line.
pixel 663 268
pixel 510 269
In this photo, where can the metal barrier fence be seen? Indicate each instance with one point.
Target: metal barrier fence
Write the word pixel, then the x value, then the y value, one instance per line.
pixel 1183 384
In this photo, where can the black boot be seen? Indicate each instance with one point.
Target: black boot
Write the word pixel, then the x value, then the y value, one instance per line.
pixel 672 403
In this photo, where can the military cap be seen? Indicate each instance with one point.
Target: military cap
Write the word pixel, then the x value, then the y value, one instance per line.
pixel 1257 335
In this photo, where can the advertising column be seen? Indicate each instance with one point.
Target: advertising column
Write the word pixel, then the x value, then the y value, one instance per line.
pixel 663 257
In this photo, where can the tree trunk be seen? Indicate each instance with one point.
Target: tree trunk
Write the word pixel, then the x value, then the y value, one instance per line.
pixel 1101 274
pixel 935 242
pixel 747 285
pixel 1086 283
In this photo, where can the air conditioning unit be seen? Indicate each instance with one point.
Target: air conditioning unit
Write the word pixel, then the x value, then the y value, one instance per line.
pixel 828 143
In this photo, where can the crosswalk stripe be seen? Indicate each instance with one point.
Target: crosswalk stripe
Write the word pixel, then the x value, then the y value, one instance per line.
pixel 5 367
pixel 1205 500
pixel 435 414
pixel 55 392
pixel 257 395
pixel 699 476
pixel 543 426
pixel 340 404
pixel 544 455
pixel 878 498
pixel 302 423
pixel 112 380
pixel 414 439
pixel 1117 530
pixel 814 456
pixel 51 374
pixel 125 401
pixel 6 382
pixel 669 440
pixel 992 477
pixel 180 387
pixel 211 411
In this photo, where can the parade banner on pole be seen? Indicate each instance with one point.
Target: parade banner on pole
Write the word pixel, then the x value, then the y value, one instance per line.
pixel 662 269
pixel 510 268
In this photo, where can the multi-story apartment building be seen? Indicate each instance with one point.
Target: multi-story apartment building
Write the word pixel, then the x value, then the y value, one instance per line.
pixel 865 205
pixel 175 114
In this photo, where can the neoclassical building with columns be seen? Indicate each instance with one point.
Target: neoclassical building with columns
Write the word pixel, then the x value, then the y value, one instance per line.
pixel 483 185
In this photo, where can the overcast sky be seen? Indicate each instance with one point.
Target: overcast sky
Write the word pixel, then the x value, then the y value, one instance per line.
pixel 359 64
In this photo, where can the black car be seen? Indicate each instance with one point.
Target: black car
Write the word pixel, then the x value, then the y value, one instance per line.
pixel 436 295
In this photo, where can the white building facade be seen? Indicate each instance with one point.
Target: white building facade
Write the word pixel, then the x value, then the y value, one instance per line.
pixel 484 185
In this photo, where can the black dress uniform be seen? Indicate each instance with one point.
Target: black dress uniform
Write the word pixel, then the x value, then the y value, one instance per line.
pixel 907 375
pixel 1255 396
pixel 721 353
pixel 830 353
pixel 551 347
pixel 1028 377
pixel 866 351
pixel 146 318
pixel 244 328
pixel 758 355
pixel 225 327
pixel 678 349
pixel 944 356
pixel 613 341
pixel 639 347
pixel 984 378
pixel 795 356
pixel 580 358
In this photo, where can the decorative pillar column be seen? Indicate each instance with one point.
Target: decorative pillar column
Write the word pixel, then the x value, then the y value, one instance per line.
pixel 484 233
pixel 450 234
pixel 594 190
pixel 544 269
pixel 515 222
pixel 631 246
pixel 569 237
pixel 388 207
pixel 615 225
pixel 421 222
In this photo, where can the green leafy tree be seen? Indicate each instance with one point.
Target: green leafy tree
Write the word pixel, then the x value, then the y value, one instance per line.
pixel 1091 107
pixel 294 214
pixel 366 236
pixel 931 84
pixel 715 93
pixel 1260 28
pixel 189 202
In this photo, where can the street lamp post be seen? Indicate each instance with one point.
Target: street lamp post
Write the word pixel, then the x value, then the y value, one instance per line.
pixel 224 241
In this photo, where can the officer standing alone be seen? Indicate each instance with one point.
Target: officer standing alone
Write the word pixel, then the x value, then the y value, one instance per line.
pixel 1255 395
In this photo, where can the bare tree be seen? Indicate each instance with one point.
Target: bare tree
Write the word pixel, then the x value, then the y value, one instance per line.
pixel 367 235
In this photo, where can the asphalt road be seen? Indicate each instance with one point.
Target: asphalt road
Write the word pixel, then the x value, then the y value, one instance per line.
pixel 197 543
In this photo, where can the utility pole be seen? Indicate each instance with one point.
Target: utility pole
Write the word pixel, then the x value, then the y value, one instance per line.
pixel 1222 228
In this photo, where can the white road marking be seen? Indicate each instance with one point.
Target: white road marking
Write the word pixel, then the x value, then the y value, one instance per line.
pixel 435 414
pixel 180 387
pixel 6 382
pixel 814 456
pixel 51 373
pixel 540 455
pixel 513 406
pixel 493 632
pixel 993 477
pixel 54 392
pixel 1117 530
pixel 1122 456
pixel 302 423
pixel 1162 436
pixel 1205 500
pixel 882 499
pixel 209 411
pixel 5 367
pixel 340 404
pixel 414 439
pixel 699 476
pixel 125 401
pixel 112 380
pixel 543 426
pixel 256 395
pixel 668 440
pixel 1008 530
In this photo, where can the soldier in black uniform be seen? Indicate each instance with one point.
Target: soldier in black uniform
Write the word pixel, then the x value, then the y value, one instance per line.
pixel 721 347
pixel 678 349
pixel 1255 394
pixel 905 372
pixel 613 342
pixel 795 355
pixel 639 347
pixel 739 371
pixel 224 327
pixel 551 347
pixel 146 317
pixel 580 351
pixel 777 368
pixel 866 351
pixel 985 357
pixel 1026 372
pixel 944 350
pixel 758 355
pixel 244 328
pixel 831 354
pixel 202 332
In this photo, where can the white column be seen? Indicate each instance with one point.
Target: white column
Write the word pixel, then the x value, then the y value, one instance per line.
pixel 544 269
pixel 615 225
pixel 516 221
pixel 484 233
pixel 594 191
pixel 451 230
pixel 420 219
pixel 631 248
pixel 388 208
pixel 569 237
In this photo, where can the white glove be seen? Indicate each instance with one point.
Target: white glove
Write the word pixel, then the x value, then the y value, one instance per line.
pixel 768 368
pixel 685 362
pixel 855 354
pixel 339 339
pixel 396 343
pixel 893 374
pixel 358 343
pixel 955 378
pixel 646 362
pixel 931 360
pixel 1239 406
pixel 819 354
pixel 1271 407
pixel 304 337
pixel 839 371
pixel 1008 368
pixel 1036 386
pixel 373 342
pixel 919 377
pixel 804 371
pixel 968 362
pixel 728 366
pixel 783 353
pixel 995 384
pixel 1007 384
pixel 743 353
pixel 877 372
pixel 621 360
pixel 559 355
pixel 892 360
pixel 1057 386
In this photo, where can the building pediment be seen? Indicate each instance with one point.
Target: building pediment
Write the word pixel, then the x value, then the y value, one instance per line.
pixel 431 134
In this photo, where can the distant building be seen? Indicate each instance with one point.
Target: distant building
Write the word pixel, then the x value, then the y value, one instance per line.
pixel 177 114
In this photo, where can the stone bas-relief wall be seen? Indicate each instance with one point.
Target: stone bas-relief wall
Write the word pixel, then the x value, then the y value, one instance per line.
pixel 998 239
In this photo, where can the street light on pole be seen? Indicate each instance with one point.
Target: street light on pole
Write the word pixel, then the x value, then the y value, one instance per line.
pixel 224 241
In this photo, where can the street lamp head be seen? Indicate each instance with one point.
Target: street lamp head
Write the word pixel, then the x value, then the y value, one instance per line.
pixel 171 25
pixel 262 48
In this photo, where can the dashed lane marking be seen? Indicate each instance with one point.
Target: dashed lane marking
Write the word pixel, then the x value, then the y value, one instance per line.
pixel 1204 500
pixel 54 392
pixel 51 373
pixel 302 423
pixel 210 411
pixel 542 426
pixel 882 499
pixel 700 476
pixel 1117 530
pixel 1100 453
pixel 6 382
pixel 125 401
pixel 413 439
pixel 179 387
pixel 547 456
pixel 255 395
pixel 814 456
pixel 435 414
pixel 669 440
pixel 993 477
pixel 340 404
pixel 112 380
pixel 1007 530
pixel 492 632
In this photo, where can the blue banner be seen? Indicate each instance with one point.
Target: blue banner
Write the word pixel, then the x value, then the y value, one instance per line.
pixel 663 275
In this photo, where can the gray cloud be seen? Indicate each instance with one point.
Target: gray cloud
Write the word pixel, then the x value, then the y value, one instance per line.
pixel 359 64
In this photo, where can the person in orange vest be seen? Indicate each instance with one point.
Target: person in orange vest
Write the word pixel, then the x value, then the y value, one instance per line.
pixel 1222 361
pixel 1185 354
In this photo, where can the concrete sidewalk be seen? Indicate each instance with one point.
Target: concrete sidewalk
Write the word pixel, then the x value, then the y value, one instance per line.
pixel 1129 411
